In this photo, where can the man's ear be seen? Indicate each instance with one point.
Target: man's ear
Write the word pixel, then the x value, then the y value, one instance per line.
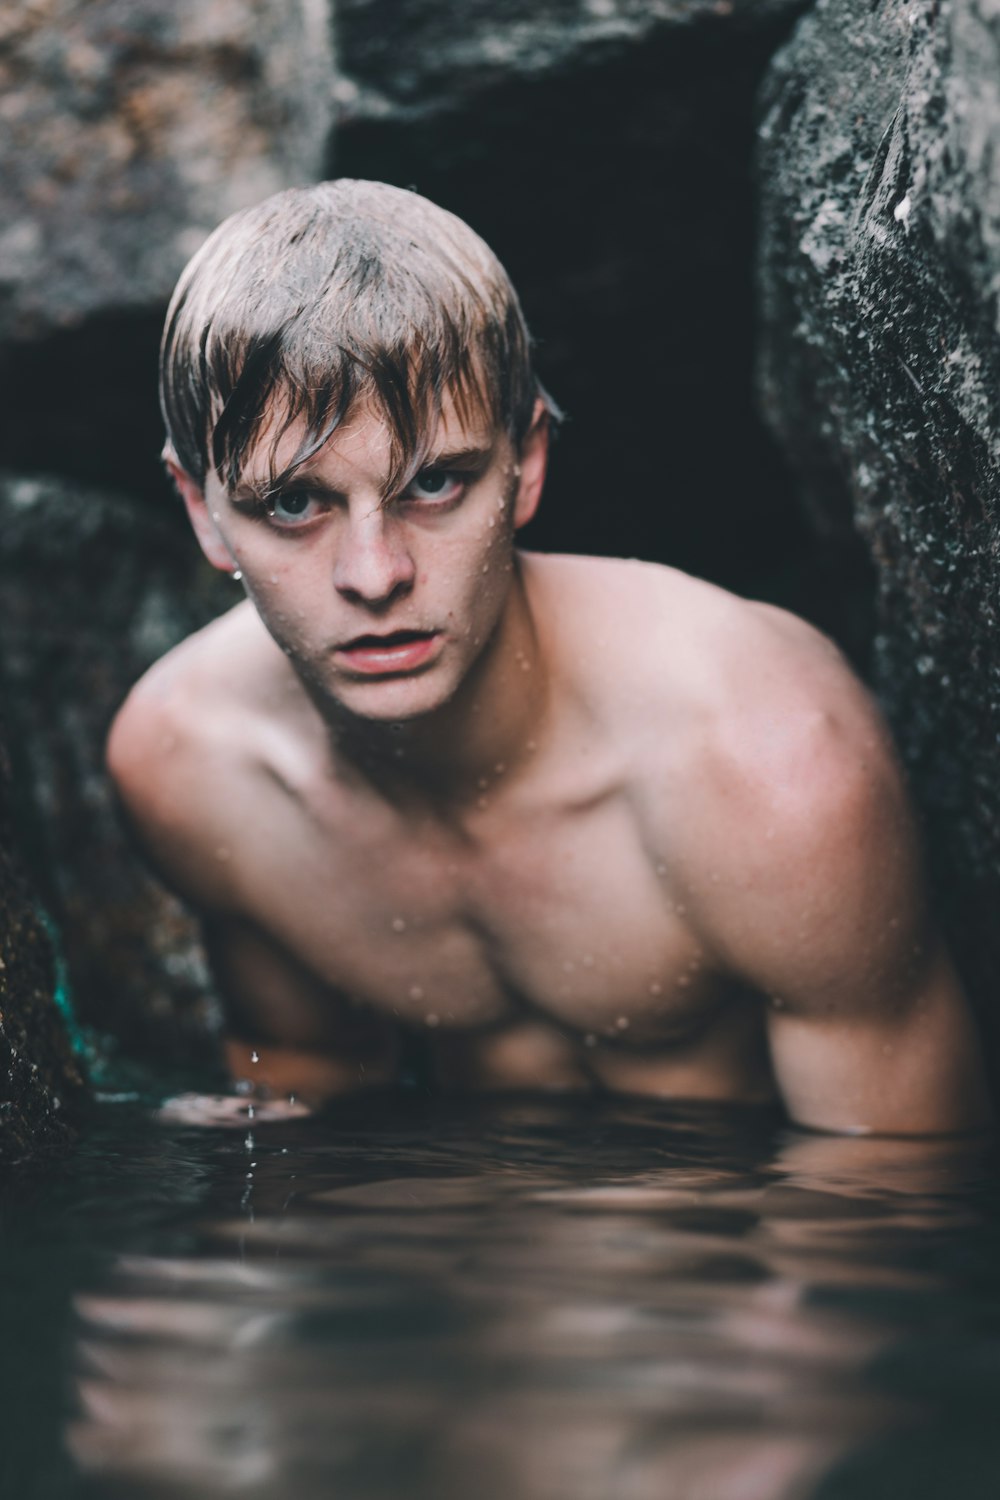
pixel 532 463
pixel 210 539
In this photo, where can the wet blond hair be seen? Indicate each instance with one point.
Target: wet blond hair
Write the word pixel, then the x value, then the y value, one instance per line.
pixel 323 297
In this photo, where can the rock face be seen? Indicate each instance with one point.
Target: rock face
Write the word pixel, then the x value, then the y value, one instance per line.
pixel 130 128
pixel 414 58
pixel 95 590
pixel 879 170
pixel 41 1086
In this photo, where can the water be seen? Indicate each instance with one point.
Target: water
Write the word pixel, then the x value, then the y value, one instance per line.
pixel 514 1300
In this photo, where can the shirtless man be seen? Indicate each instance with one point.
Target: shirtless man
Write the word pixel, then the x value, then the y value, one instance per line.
pixel 579 822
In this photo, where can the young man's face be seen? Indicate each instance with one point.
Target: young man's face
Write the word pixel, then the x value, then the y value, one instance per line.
pixel 381 606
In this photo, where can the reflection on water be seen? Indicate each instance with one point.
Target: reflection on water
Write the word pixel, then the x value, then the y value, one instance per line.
pixel 522 1301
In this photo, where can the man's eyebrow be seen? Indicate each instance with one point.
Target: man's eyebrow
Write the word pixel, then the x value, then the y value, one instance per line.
pixel 260 491
pixel 458 457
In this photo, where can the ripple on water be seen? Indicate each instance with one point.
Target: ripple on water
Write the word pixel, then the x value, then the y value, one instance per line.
pixel 522 1298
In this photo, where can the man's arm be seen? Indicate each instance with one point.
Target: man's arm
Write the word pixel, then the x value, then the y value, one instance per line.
pixel 186 793
pixel 828 917
pixel 289 1033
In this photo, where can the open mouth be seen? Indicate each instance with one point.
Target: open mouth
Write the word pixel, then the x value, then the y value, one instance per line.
pixel 396 651
pixel 387 642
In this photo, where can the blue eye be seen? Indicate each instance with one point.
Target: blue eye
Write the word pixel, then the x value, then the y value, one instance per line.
pixel 290 506
pixel 434 484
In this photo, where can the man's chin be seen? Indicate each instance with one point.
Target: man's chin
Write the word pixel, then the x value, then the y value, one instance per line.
pixel 388 701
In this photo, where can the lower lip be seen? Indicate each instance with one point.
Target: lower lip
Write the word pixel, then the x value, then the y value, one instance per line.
pixel 378 661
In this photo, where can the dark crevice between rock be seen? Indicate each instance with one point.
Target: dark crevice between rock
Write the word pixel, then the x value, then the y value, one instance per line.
pixel 82 403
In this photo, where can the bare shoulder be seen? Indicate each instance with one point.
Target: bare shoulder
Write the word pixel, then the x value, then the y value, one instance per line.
pixel 783 802
pixel 186 745
pixel 757 755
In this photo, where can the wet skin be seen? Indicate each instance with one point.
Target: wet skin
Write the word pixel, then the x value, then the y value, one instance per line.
pixel 580 821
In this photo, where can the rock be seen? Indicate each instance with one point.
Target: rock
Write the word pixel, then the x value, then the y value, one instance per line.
pixel 880 373
pixel 41 1086
pixel 413 58
pixel 130 128
pixel 94 590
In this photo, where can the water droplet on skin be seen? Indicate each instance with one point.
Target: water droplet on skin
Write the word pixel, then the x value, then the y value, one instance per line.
pixel 656 988
pixel 416 993
pixel 486 567
pixel 237 575
pixel 223 852
pixel 684 982
pixel 482 783
pixel 255 1056
pixel 622 1023
pixel 432 1019
pixel 482 803
pixel 248 1143
pixel 531 745
pixel 568 966
pixel 499 768
pixel 398 925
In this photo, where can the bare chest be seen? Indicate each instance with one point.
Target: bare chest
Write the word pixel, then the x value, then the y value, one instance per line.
pixel 560 916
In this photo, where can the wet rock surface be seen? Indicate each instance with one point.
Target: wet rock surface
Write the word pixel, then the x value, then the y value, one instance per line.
pixel 130 128
pixel 41 1086
pixel 880 271
pixel 94 591
pixel 418 57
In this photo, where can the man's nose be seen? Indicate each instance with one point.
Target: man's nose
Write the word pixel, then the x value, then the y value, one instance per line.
pixel 373 563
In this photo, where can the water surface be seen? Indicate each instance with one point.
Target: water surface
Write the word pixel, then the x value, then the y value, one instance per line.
pixel 547 1300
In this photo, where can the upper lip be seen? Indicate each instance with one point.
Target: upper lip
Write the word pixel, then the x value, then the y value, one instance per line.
pixel 391 638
